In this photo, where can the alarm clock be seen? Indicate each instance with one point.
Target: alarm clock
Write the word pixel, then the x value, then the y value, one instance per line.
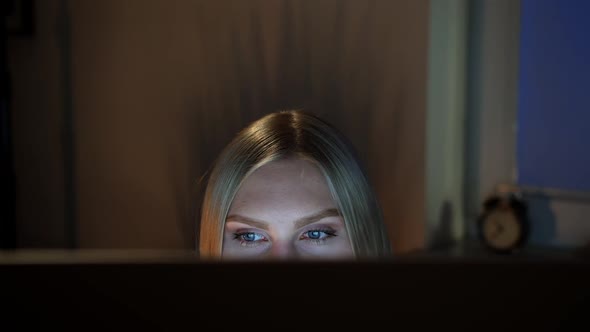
pixel 503 225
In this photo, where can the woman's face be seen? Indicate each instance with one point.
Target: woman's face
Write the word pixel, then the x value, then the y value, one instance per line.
pixel 284 210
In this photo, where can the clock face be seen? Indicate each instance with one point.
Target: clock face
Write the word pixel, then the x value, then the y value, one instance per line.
pixel 501 229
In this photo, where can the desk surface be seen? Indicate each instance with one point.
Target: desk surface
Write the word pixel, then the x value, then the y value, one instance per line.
pixel 470 250
pixel 456 253
pixel 96 256
pixel 171 290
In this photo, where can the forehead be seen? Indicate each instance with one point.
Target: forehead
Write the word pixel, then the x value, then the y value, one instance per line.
pixel 287 187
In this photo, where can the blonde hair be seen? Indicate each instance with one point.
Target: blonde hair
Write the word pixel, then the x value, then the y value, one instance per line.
pixel 294 134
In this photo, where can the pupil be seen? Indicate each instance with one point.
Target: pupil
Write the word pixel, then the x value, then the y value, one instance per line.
pixel 249 236
pixel 314 234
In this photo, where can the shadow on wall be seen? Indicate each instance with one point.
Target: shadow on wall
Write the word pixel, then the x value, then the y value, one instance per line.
pixel 542 219
pixel 442 237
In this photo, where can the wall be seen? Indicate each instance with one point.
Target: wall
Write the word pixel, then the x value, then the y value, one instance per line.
pixel 158 88
pixel 491 102
pixel 554 76
pixel 553 119
pixel 516 85
pixel 445 131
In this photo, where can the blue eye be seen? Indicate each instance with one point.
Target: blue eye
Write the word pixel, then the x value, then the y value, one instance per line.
pixel 314 234
pixel 250 237
pixel 317 235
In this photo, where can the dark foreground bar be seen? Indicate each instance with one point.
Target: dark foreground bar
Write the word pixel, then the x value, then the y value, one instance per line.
pixel 90 293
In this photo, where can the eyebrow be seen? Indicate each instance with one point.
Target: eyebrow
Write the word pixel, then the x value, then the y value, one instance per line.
pixel 299 223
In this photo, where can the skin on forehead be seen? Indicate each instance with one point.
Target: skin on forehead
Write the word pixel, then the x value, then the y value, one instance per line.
pixel 282 191
pixel 281 201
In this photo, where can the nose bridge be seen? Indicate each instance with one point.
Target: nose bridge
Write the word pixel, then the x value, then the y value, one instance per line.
pixel 283 249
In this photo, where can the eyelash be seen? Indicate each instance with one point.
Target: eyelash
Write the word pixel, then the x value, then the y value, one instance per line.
pixel 330 233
